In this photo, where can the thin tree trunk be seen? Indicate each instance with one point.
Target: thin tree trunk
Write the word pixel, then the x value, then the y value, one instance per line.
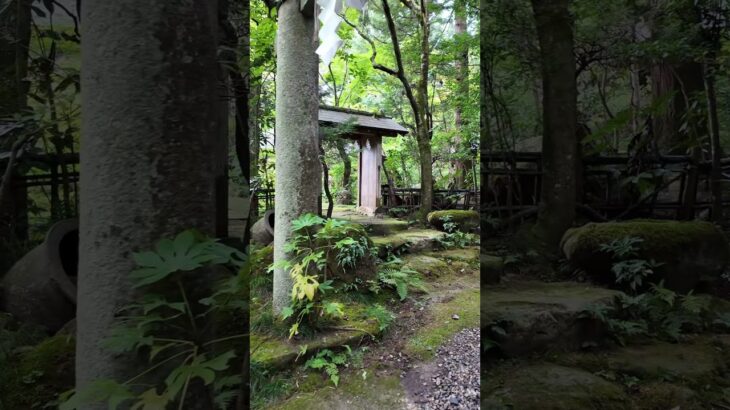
pixel 716 175
pixel 298 169
pixel 148 162
pixel 558 197
pixel 326 183
pixel 392 198
pixel 347 173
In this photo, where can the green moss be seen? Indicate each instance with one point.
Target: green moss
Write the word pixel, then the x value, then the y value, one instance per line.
pixel 39 375
pixel 689 252
pixel 660 236
pixel 662 396
pixel 550 387
pixel 426 265
pixel 374 392
pixel 464 220
pixel 441 327
pixel 276 351
pixel 411 240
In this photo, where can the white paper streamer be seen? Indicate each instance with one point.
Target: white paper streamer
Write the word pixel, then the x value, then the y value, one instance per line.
pixel 329 12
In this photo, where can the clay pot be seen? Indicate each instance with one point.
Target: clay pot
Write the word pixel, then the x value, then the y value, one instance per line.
pixel 262 232
pixel 41 287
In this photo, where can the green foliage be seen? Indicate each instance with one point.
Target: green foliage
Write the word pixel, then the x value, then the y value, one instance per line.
pixel 329 361
pixel 659 313
pixel 171 323
pixel 392 274
pixel 627 268
pixel 454 238
pixel 380 313
pixel 314 242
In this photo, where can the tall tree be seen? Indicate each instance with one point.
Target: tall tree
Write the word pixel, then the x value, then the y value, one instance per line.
pixel 556 213
pixel 417 96
pixel 148 152
pixel 298 168
pixel 462 87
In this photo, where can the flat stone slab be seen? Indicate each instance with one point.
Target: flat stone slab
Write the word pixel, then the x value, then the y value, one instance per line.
pixel 375 225
pixel 529 316
pixel 409 241
pixel 546 386
pixel 469 254
pixel 278 353
pixel 697 359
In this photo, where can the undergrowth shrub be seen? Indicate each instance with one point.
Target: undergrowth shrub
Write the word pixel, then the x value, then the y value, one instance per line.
pixel 183 325
pixel 315 243
pixel 660 313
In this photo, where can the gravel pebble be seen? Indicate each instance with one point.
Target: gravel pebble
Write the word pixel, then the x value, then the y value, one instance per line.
pixel 455 385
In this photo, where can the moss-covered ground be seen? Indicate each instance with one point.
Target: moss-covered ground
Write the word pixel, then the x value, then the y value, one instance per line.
pixel 373 376
pixel 546 356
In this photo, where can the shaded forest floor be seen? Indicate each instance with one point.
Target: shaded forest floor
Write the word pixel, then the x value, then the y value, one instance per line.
pixel 417 361
pixel 551 343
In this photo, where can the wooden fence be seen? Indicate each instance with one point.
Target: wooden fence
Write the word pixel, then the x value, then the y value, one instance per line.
pixel 610 187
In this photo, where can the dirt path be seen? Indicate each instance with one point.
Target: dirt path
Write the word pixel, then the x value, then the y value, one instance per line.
pixel 427 359
pixel 451 380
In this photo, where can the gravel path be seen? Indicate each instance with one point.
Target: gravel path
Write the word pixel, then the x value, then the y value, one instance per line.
pixel 451 380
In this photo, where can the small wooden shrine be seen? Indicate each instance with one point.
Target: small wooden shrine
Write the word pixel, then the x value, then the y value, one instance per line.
pixel 369 130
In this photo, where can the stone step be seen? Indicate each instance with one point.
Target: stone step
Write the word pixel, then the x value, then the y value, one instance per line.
pixel 531 316
pixel 408 241
pixel 687 375
pixel 278 352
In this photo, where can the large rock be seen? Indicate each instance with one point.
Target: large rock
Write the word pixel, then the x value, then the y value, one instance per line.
pixel 689 251
pixel 465 220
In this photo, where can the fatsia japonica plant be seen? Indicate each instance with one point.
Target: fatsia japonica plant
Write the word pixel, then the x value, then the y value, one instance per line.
pixel 185 325
pixel 319 249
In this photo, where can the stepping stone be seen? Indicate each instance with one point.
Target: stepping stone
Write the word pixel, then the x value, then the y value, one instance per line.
pixel 278 353
pixel 551 387
pixel 409 241
pixel 529 316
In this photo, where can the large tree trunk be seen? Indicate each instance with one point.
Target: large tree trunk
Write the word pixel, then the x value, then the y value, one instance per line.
pixel 148 158
pixel 559 146
pixel 298 170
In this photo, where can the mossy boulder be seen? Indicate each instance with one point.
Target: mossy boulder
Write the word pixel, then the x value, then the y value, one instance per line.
pixel 465 221
pixel 689 252
pixel 426 265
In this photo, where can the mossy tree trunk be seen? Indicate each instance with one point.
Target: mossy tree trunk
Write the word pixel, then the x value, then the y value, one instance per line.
pixel 559 147
pixel 298 168
pixel 148 153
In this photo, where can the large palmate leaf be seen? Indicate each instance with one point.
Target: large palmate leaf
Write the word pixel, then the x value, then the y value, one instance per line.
pixel 185 253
